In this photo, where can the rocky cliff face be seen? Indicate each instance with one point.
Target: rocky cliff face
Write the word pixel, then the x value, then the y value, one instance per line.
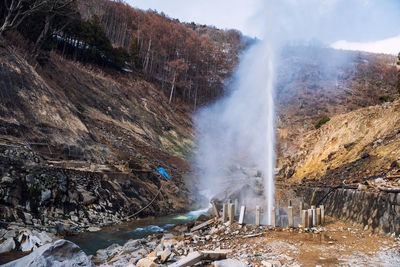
pixel 78 145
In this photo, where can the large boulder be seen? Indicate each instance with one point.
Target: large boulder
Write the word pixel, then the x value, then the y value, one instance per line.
pixel 61 253
pixel 28 241
pixel 7 246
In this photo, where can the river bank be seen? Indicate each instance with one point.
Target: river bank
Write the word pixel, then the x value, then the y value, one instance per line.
pixel 19 240
pixel 250 245
pixel 333 244
pixel 90 242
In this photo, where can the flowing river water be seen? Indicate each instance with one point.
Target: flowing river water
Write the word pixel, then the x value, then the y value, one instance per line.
pixel 90 242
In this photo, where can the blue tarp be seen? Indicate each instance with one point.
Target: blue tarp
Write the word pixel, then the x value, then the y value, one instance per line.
pixel 163 173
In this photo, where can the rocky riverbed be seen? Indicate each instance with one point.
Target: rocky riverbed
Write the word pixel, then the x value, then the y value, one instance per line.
pixel 221 244
pixel 250 245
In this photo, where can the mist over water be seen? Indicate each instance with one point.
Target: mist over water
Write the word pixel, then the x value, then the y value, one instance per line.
pixel 239 130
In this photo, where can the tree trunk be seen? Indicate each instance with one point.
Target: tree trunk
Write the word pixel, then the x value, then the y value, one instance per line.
pixel 147 58
pixel 172 89
pixel 43 34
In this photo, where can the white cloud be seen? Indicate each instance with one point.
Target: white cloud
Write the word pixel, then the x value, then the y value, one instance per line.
pixel 386 46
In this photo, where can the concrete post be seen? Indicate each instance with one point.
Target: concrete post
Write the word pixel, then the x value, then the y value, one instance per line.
pixel 322 207
pixel 242 212
pixel 216 213
pixel 318 216
pixel 277 207
pixel 304 218
pixel 258 215
pixel 314 222
pixel 310 218
pixel 290 217
pixel 224 212
pixel 273 224
pixel 314 218
pixel 231 211
pixel 236 205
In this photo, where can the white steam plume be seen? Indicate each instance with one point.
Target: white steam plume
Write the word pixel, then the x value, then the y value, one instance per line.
pixel 240 128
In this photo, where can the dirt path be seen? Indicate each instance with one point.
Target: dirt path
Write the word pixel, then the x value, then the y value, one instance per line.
pixel 333 245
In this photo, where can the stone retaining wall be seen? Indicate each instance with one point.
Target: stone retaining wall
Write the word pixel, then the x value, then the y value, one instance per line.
pixel 375 211
pixel 41 196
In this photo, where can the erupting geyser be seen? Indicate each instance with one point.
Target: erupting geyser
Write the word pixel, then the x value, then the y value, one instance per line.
pixel 239 130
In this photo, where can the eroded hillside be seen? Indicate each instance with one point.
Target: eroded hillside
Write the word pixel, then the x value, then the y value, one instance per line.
pixel 76 142
pixel 348 87
pixel 351 146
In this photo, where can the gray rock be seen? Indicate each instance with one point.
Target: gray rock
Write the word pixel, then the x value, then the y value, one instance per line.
pixel 378 143
pixel 267 264
pixel 7 246
pixel 11 233
pixel 28 241
pixel 28 216
pixel 2 232
pixel 60 228
pixel 271 263
pixel 146 262
pixel 94 229
pixel 111 251
pixel 88 198
pixel 30 178
pixel 131 245
pixel 46 195
pixel 7 180
pixel 165 255
pixel 61 253
pixel 229 263
pixel 46 237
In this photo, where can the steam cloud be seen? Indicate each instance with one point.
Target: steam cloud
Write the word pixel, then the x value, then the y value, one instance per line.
pixel 239 128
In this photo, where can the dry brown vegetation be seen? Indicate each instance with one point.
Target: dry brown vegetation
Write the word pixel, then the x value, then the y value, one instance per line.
pixel 350 96
pixel 189 61
pixel 75 115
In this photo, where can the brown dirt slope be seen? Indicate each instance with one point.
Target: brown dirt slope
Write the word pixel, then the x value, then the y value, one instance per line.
pixel 75 117
pixel 347 87
pixel 336 151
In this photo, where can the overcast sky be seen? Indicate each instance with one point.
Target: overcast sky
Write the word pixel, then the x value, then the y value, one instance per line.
pixel 377 22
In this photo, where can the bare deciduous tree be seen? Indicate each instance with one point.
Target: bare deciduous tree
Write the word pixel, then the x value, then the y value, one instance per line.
pixel 15 11
pixel 52 9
